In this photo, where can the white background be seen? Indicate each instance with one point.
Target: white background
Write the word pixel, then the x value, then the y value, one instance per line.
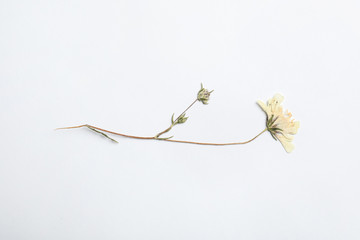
pixel 127 66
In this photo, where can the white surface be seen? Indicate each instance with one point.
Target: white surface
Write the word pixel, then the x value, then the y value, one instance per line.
pixel 127 66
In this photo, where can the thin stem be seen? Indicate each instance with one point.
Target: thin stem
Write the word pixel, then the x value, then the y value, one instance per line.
pixel 168 140
pixel 216 144
pixel 173 123
pixel 186 109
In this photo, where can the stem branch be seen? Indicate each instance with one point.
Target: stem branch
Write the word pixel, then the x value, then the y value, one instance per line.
pixel 174 122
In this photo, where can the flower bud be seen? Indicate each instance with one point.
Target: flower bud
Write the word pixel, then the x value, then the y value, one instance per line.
pixel 203 95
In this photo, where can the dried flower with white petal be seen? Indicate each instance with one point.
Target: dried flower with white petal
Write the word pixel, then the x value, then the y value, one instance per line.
pixel 279 123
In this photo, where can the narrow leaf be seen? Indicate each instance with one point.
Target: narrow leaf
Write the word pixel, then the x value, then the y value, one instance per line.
pixel 93 129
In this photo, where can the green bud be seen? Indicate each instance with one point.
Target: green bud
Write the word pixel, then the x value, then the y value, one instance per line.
pixel 204 95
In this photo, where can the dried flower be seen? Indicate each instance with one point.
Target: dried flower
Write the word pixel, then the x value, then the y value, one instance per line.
pixel 204 95
pixel 279 123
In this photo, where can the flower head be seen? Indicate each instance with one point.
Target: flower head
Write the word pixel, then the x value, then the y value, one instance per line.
pixel 203 95
pixel 279 123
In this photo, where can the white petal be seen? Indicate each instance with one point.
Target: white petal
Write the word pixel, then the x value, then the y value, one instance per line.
pixel 278 98
pixel 263 106
pixel 274 104
pixel 293 127
pixel 287 144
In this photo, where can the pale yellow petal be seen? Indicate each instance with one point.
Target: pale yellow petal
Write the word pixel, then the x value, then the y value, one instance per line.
pixel 293 128
pixel 288 145
pixel 274 104
pixel 278 98
pixel 263 106
pixel 281 122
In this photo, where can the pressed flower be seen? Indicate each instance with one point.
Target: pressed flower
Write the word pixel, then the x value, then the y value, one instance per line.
pixel 279 123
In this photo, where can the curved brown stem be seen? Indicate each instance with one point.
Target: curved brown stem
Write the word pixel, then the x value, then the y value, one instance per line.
pixel 168 140
pixel 216 144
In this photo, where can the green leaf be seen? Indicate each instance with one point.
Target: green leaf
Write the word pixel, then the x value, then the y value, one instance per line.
pixel 273 136
pixel 268 122
pixel 172 119
pixel 93 129
pixel 275 129
pixel 164 138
